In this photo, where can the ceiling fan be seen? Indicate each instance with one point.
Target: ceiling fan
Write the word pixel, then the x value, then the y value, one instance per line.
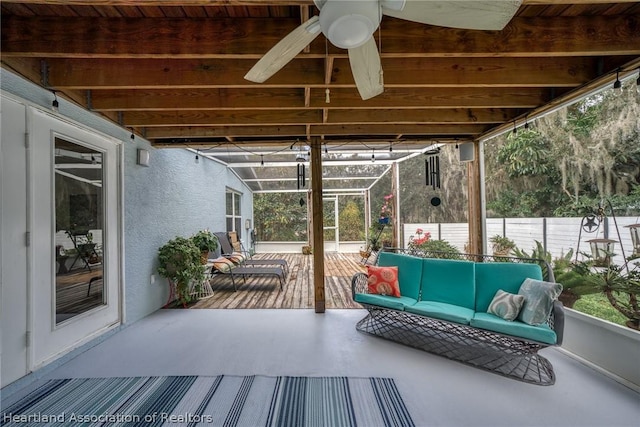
pixel 350 24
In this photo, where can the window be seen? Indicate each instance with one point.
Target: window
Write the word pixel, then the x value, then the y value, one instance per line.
pixel 234 213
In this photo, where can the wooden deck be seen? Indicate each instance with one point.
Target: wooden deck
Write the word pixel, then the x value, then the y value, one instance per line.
pixel 264 292
pixel 71 292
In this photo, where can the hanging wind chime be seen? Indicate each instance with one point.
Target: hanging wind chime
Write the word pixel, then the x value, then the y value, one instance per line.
pixel 301 176
pixel 432 173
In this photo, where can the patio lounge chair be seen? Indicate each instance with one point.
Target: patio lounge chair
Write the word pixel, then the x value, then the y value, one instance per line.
pixel 224 266
pixel 243 259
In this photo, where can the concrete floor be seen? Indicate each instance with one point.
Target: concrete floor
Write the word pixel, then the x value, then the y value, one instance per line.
pixel 437 391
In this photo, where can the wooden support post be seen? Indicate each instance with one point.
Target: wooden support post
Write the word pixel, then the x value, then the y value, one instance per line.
pixel 475 214
pixel 318 224
pixel 395 186
pixel 367 215
pixel 310 218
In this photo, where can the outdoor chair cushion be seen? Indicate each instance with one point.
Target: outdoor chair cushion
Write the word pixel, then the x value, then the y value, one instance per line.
pixel 490 322
pixel 385 301
pixel 508 276
pixel 222 264
pixel 236 257
pixel 383 280
pixel 538 300
pixel 448 281
pixel 409 272
pixel 505 305
pixel 442 311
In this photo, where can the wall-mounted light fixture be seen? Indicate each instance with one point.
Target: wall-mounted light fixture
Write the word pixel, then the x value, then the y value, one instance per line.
pixel 617 84
pixel 55 105
pixel 143 157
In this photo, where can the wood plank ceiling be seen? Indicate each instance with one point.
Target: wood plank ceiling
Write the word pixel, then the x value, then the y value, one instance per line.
pixel 172 71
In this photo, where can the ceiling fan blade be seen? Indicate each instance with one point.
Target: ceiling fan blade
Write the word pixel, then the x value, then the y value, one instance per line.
pixel 367 69
pixel 472 15
pixel 284 51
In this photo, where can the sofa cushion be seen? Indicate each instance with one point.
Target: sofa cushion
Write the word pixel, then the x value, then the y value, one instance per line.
pixel 538 300
pixel 508 276
pixel 493 323
pixel 385 301
pixel 449 281
pixel 409 272
pixel 443 311
pixel 383 280
pixel 505 305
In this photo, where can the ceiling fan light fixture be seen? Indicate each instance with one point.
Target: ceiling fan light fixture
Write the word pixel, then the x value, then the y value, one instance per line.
pixel 351 31
pixel 350 24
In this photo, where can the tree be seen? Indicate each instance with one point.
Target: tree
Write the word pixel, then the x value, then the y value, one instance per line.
pixel 280 217
pixel 351 222
pixel 573 158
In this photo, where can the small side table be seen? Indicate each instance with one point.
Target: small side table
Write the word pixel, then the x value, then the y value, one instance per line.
pixel 62 264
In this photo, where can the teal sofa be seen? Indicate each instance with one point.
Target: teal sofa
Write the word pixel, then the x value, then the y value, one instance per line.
pixel 443 308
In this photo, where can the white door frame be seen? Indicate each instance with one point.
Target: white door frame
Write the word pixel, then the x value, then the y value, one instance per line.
pixel 49 340
pixel 336 225
pixel 14 357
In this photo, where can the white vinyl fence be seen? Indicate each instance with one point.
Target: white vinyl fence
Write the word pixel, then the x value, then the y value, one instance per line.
pixel 558 235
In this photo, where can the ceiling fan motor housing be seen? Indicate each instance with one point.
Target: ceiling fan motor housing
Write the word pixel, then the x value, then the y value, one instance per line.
pixel 350 24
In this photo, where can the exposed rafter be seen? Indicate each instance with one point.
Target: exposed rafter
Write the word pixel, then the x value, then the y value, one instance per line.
pixel 173 70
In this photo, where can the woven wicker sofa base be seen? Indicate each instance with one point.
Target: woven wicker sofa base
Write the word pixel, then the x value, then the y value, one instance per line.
pixel 487 350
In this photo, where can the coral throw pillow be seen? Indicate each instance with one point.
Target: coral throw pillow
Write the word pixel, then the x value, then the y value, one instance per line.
pixel 383 281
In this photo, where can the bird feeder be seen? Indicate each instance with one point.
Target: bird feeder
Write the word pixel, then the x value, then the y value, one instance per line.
pixel 634 229
pixel 601 250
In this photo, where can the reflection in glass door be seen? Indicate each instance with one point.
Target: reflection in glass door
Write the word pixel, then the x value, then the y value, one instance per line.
pixel 79 240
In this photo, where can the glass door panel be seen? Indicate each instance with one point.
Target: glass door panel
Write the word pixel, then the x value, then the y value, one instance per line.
pixel 79 239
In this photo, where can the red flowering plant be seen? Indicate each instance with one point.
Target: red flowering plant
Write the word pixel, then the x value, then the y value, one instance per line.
pixel 418 241
pixel 387 207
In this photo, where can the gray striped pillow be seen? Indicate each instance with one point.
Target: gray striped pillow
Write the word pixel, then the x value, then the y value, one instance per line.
pixel 506 305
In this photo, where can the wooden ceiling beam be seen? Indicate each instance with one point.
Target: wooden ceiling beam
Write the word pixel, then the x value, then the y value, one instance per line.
pixel 299 131
pixel 220 3
pixel 147 119
pixel 220 118
pixel 433 116
pixel 198 98
pixel 50 36
pixel 437 98
pixel 300 73
pixel 293 99
pixel 186 132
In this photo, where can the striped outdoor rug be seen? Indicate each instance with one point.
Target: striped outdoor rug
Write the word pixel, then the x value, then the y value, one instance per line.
pixel 212 401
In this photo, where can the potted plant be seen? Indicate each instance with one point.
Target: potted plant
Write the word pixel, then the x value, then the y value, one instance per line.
pixel 502 245
pixel 180 263
pixel 386 211
pixel 577 279
pixel 206 242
